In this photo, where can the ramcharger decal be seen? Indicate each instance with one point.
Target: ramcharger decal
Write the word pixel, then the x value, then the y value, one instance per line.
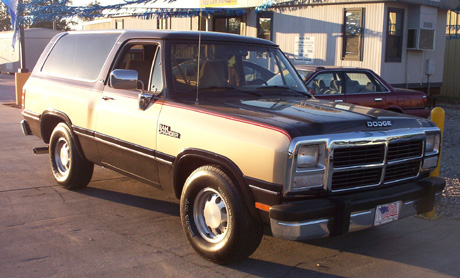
pixel 166 130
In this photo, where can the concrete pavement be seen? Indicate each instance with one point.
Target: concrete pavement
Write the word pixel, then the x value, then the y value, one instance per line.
pixel 118 227
pixel 7 87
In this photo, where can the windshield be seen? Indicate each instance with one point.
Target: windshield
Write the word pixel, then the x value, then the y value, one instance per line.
pixel 232 68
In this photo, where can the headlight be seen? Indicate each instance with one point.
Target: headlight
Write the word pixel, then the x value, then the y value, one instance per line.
pixel 310 156
pixel 432 143
pixel 310 166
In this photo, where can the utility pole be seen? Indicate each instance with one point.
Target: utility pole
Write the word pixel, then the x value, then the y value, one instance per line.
pixel 23 74
pixel 22 46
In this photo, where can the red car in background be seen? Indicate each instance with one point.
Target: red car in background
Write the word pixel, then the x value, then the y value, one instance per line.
pixel 363 87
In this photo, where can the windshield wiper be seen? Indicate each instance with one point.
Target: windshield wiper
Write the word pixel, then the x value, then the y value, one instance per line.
pixel 228 88
pixel 284 88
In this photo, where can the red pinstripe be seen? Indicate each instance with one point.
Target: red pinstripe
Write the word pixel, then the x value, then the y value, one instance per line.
pixel 282 131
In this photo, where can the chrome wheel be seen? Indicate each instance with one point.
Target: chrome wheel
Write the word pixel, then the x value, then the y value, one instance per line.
pixel 62 157
pixel 210 215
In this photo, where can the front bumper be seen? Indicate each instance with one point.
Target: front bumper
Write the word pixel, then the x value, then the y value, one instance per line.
pixel 336 215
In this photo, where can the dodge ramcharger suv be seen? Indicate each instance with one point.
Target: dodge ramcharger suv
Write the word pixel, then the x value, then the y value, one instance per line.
pixel 242 148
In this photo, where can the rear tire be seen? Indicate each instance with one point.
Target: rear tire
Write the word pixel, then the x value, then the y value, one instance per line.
pixel 69 169
pixel 215 218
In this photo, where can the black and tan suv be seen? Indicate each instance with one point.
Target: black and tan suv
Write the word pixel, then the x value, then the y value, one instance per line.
pixel 230 130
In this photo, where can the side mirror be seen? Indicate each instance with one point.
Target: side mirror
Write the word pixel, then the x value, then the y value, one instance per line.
pixel 144 100
pixel 124 79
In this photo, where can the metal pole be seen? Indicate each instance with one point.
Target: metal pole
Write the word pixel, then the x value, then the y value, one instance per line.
pixel 22 45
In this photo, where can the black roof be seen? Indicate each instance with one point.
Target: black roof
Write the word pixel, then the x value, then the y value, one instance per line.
pixel 329 68
pixel 181 35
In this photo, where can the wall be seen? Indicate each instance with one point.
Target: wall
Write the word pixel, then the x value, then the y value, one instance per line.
pixel 35 41
pixel 324 23
pixel 451 82
pixel 411 70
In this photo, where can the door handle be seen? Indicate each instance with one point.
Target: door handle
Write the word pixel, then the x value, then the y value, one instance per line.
pixel 338 100
pixel 378 99
pixel 108 98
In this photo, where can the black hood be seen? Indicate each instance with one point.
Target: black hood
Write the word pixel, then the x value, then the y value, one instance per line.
pixel 304 117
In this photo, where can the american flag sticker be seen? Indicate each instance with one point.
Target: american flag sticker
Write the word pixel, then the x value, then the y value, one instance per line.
pixel 387 213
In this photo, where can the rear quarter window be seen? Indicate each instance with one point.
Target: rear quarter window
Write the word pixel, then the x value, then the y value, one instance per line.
pixel 79 56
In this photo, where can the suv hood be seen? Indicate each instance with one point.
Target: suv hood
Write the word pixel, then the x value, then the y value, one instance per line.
pixel 304 117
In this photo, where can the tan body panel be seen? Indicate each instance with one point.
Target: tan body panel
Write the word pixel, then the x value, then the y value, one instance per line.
pixel 119 116
pixel 259 151
pixel 77 99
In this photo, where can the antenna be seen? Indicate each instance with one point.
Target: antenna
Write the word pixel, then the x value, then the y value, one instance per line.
pixel 198 62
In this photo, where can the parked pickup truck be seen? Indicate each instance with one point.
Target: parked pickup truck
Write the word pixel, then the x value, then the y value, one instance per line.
pixel 240 149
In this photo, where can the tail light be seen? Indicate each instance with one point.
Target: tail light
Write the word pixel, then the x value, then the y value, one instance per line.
pixel 23 99
pixel 425 100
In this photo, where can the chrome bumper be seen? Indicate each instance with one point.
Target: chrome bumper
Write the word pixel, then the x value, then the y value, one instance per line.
pixel 358 220
pixel 25 128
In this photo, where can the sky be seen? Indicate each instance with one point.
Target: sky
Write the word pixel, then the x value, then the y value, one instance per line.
pixel 159 3
pixel 86 2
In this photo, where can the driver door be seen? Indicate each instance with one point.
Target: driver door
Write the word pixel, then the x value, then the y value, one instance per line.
pixel 126 134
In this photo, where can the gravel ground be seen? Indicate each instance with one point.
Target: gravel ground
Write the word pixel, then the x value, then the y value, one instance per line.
pixel 450 162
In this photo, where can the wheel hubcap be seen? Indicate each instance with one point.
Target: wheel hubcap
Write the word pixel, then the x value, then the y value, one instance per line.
pixel 210 215
pixel 62 156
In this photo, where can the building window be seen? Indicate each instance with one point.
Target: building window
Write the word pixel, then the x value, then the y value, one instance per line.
pixel 394 39
pixel 228 24
pixel 119 24
pixel 265 25
pixel 163 23
pixel 353 31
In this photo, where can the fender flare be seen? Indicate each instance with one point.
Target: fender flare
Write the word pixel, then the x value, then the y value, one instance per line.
pixel 62 118
pixel 229 167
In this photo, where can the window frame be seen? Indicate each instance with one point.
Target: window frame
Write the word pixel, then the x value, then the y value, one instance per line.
pixel 359 55
pixel 387 35
pixel 121 54
pixel 265 14
pixel 227 23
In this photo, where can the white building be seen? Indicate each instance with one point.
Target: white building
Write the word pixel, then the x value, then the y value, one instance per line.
pixel 403 41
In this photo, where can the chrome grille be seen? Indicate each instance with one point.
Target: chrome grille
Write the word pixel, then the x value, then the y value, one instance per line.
pixel 345 157
pixel 402 171
pixel 349 179
pixel 404 149
pixel 360 165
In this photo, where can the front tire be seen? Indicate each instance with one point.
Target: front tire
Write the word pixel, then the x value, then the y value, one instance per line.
pixel 69 169
pixel 215 218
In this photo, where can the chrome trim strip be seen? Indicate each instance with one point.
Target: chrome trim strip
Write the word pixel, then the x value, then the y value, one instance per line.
pixel 357 167
pixel 264 190
pixel 394 162
pixel 164 161
pixel 295 224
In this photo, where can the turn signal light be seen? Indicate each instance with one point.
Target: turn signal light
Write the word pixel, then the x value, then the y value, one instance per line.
pixel 263 207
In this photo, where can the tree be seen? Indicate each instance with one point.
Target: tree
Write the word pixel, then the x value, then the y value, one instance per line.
pixel 95 11
pixel 51 14
pixel 5 22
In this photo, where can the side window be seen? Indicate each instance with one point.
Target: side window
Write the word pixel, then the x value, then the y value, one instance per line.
pixel 156 84
pixel 79 56
pixel 325 84
pixel 361 82
pixel 138 57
